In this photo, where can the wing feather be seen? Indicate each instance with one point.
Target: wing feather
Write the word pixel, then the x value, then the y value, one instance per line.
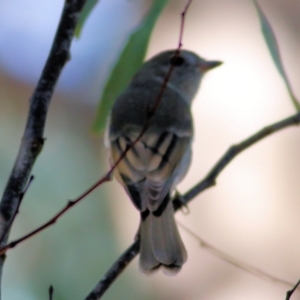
pixel 149 166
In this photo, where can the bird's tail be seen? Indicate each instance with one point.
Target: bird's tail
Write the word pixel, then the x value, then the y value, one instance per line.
pixel 161 244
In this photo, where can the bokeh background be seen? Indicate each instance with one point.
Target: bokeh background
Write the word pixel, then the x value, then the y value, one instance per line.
pixel 252 213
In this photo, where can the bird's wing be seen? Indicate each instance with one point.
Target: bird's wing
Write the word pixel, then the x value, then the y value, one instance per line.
pixel 151 165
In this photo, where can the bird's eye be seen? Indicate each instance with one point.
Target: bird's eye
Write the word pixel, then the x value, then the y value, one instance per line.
pixel 176 61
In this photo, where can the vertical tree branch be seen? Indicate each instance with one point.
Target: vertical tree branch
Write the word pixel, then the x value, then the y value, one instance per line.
pixel 8 224
pixel 33 140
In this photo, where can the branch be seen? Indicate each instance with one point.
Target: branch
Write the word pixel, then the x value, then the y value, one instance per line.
pixel 33 140
pixel 51 290
pixel 210 180
pixel 12 219
pixel 291 292
pixel 233 151
pixel 53 220
pixel 114 271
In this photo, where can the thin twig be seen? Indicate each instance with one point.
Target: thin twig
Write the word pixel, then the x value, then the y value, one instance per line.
pixel 291 292
pixel 207 182
pixel 33 140
pixel 183 14
pixel 233 261
pixel 51 290
pixel 53 220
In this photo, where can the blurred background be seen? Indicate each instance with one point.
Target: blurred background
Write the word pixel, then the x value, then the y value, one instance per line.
pixel 252 213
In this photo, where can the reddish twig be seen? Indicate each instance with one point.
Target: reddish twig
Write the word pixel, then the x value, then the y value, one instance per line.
pixel 53 220
pixel 108 175
pixel 183 14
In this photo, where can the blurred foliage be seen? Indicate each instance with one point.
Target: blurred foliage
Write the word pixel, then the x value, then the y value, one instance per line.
pixel 88 7
pixel 272 44
pixel 128 63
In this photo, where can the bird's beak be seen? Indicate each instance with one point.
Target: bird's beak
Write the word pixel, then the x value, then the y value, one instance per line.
pixel 208 65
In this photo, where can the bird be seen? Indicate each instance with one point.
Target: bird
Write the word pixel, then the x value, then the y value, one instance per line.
pixel 150 126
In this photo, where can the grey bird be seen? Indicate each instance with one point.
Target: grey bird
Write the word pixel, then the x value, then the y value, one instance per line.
pixel 158 161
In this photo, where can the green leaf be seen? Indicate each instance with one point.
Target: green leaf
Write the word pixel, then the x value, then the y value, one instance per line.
pixel 272 44
pixel 128 64
pixel 88 7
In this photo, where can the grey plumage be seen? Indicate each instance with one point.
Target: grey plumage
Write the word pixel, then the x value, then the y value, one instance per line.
pixel 158 161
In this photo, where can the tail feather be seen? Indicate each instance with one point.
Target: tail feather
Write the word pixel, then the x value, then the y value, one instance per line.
pixel 148 261
pixel 161 244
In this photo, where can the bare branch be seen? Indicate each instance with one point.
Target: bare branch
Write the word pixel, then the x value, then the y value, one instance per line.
pixel 53 220
pixel 183 14
pixel 115 270
pixel 291 292
pixel 51 290
pixel 21 196
pixel 33 140
pixel 233 151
